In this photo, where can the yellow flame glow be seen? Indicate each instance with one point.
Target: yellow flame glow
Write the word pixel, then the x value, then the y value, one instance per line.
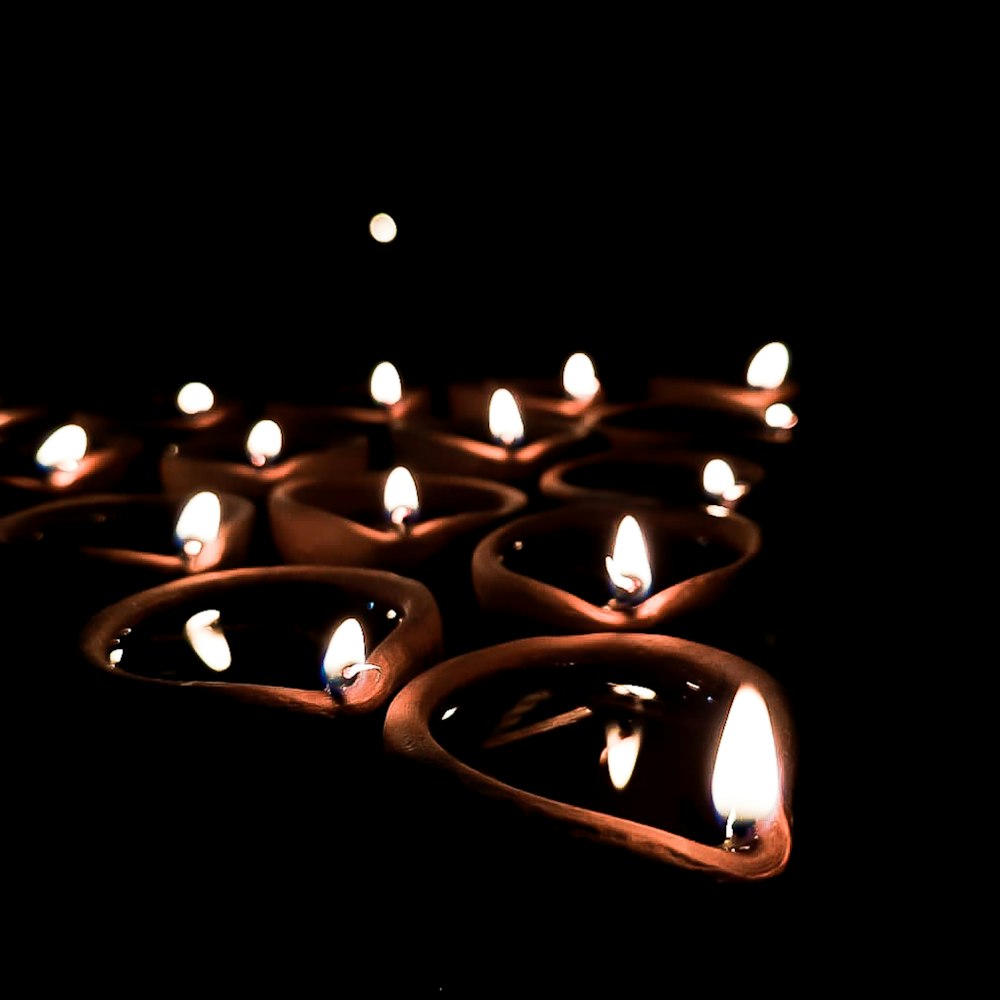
pixel 207 639
pixel 628 564
pixel 195 397
pixel 198 522
pixel 780 416
pixel 578 377
pixel 768 367
pixel 505 421
pixel 263 442
pixel 622 753
pixel 719 479
pixel 385 385
pixel 746 782
pixel 63 449
pixel 382 227
pixel 346 649
pixel 400 494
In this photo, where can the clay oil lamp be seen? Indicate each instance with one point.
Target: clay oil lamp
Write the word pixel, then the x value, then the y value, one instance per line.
pixel 590 567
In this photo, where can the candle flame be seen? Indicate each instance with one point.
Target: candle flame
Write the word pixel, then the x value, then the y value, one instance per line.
pixel 746 784
pixel 719 479
pixel 780 415
pixel 385 385
pixel 263 442
pixel 400 495
pixel 639 691
pixel 198 522
pixel 345 654
pixel 505 420
pixel 195 397
pixel 207 639
pixel 382 227
pixel 63 449
pixel 628 564
pixel 621 752
pixel 578 377
pixel 768 367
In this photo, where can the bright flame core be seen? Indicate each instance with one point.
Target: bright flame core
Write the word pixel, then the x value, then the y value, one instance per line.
pixel 623 751
pixel 345 650
pixel 400 495
pixel 628 564
pixel 385 385
pixel 505 420
pixel 198 522
pixel 195 397
pixel 206 637
pixel 578 377
pixel 719 479
pixel 382 227
pixel 263 442
pixel 746 783
pixel 63 449
pixel 780 415
pixel 768 367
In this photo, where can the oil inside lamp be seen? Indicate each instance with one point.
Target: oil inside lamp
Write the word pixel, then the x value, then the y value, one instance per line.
pixel 263 442
pixel 505 421
pixel 400 497
pixel 628 565
pixel 780 416
pixel 579 379
pixel 204 633
pixel 344 660
pixel 195 397
pixel 768 367
pixel 746 781
pixel 198 523
pixel 719 481
pixel 385 385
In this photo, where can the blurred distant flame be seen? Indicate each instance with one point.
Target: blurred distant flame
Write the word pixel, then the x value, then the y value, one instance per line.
pixel 207 639
pixel 400 495
pixel 195 397
pixel 628 565
pixel 719 479
pixel 780 416
pixel 263 442
pixel 578 378
pixel 746 782
pixel 198 522
pixel 621 752
pixel 506 424
pixel 382 228
pixel 385 385
pixel 63 449
pixel 768 367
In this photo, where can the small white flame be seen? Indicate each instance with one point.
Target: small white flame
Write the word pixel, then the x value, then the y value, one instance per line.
pixel 195 397
pixel 198 522
pixel 578 378
pixel 207 639
pixel 622 752
pixel 746 782
pixel 505 420
pixel 768 367
pixel 634 691
pixel 719 479
pixel 263 442
pixel 628 564
pixel 385 385
pixel 63 449
pixel 400 495
pixel 382 227
pixel 345 654
pixel 780 415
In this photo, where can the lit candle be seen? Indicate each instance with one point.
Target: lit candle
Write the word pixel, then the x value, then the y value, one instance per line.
pixel 573 569
pixel 518 726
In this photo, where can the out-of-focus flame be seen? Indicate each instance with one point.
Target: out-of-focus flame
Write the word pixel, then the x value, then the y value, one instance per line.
pixel 719 479
pixel 207 639
pixel 768 367
pixel 382 227
pixel 400 495
pixel 622 751
pixel 263 442
pixel 634 691
pixel 578 377
pixel 385 385
pixel 63 449
pixel 628 564
pixel 781 416
pixel 746 780
pixel 195 397
pixel 198 522
pixel 505 420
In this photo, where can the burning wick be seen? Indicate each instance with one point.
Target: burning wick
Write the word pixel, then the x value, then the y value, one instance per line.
pixel 344 661
pixel 198 523
pixel 263 442
pixel 400 497
pixel 628 565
